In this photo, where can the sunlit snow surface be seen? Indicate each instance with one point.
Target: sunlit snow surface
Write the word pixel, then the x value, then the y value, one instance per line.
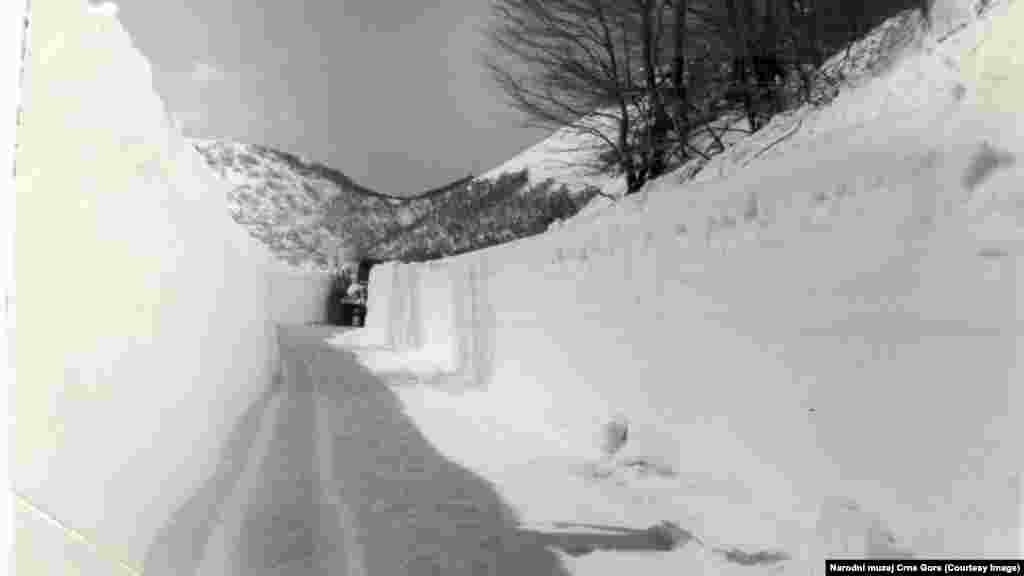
pixel 816 344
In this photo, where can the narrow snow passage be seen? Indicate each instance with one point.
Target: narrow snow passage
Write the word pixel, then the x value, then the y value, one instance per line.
pixel 327 474
pixel 408 509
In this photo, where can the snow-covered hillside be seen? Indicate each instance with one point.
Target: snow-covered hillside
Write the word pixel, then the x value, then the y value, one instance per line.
pixel 307 213
pixel 815 343
pixel 282 200
pixel 565 155
pixel 562 157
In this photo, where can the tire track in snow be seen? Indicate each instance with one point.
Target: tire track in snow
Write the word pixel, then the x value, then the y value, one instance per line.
pixel 337 519
pixel 391 503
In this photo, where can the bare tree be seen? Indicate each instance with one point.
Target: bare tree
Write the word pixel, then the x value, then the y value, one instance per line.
pixel 680 11
pixel 564 64
pixel 657 122
pixel 642 78
pixel 596 67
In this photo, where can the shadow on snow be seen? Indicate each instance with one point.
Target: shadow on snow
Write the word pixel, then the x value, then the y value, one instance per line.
pixel 340 439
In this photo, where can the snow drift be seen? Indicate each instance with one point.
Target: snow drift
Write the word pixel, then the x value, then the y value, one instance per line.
pixel 145 315
pixel 821 346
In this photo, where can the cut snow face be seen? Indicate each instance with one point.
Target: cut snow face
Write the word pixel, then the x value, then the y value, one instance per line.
pixel 441 321
pixel 815 342
pixel 134 426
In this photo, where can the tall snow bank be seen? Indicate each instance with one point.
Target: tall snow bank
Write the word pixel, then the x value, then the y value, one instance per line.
pixel 377 331
pixel 405 319
pixel 438 308
pixel 145 315
pixel 436 314
pixel 822 346
pixel 805 330
pixel 393 307
pixel 473 320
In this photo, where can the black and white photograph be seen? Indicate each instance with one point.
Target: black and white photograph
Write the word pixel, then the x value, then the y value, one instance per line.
pixel 513 287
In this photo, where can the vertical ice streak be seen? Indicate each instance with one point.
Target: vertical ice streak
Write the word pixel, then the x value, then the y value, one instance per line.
pixel 396 306
pixel 404 308
pixel 474 320
pixel 436 305
pixel 414 339
pixel 378 308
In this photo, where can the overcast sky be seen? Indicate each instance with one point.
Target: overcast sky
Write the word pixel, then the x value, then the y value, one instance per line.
pixel 389 92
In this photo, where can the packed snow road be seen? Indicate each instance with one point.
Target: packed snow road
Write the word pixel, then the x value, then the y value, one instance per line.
pixel 328 473
pixel 342 482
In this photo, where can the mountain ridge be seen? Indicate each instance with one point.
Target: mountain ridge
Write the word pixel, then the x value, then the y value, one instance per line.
pixel 306 212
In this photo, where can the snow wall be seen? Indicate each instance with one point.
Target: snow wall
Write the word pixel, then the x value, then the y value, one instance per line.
pixel 145 316
pixel 830 337
pixel 439 309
